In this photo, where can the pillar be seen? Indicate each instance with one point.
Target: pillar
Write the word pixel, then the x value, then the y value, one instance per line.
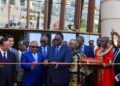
pixel 46 15
pixel 77 14
pixel 110 16
pixel 62 15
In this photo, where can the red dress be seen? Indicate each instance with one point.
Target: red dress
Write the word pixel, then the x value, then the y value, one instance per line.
pixel 108 73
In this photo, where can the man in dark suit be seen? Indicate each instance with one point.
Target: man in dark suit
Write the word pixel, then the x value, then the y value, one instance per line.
pixel 58 75
pixel 8 73
pixel 11 39
pixel 117 67
pixel 32 72
pixel 116 56
pixel 44 50
pixel 84 48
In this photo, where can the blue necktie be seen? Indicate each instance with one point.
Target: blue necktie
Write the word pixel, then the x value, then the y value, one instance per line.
pixel 44 53
pixel 4 57
pixel 56 50
pixel 21 54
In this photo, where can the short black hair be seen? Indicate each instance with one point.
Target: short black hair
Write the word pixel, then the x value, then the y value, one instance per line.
pixel 80 37
pixel 91 41
pixel 2 40
pixel 9 36
pixel 60 34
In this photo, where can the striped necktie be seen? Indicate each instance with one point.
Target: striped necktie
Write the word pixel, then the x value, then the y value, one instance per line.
pixel 44 53
pixel 56 50
pixel 115 55
pixel 4 57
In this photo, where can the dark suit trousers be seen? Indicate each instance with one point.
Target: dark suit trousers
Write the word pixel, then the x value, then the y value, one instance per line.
pixel 51 84
pixel 89 80
pixel 117 83
pixel 5 82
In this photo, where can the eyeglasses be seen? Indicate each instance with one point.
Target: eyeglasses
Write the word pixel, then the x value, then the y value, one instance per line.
pixel 34 46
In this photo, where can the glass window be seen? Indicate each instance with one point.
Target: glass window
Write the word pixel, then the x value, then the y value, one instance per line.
pixel 70 12
pixel 3 1
pixel 94 37
pixel 17 14
pixel 12 2
pixel 67 36
pixel 83 25
pixel 36 16
pixel 96 15
pixel 55 14
pixel 35 37
pixel 22 2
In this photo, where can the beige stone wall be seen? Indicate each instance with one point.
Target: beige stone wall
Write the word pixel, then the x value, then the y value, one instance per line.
pixel 110 16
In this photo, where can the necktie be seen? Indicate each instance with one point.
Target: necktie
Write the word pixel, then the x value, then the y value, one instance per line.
pixel 44 52
pixel 4 57
pixel 115 55
pixel 56 50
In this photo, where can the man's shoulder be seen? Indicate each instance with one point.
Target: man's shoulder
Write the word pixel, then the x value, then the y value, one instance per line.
pixel 13 49
pixel 27 53
pixel 87 47
pixel 10 52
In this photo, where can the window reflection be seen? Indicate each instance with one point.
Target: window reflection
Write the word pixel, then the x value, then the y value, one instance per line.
pixel 55 14
pixel 96 15
pixel 83 25
pixel 37 16
pixel 69 15
pixel 14 12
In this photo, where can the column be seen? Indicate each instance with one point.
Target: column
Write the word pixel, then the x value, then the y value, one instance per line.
pixel 90 22
pixel 77 14
pixel 46 15
pixel 110 16
pixel 62 15
pixel 28 14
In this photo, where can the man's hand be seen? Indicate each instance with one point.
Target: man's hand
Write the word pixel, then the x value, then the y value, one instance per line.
pixel 15 84
pixel 33 65
pixel 1 66
pixel 115 33
pixel 52 64
pixel 46 62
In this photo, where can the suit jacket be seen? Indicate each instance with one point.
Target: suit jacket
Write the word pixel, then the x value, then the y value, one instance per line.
pixel 31 77
pixel 59 74
pixel 8 73
pixel 117 67
pixel 14 51
pixel 40 51
pixel 88 51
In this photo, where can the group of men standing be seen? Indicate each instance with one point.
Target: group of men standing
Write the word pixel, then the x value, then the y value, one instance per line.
pixel 31 73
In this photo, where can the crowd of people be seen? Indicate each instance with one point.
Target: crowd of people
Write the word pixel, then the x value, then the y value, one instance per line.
pixel 21 67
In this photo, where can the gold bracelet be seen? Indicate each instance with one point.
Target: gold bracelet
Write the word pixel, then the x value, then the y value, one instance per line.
pixel 87 61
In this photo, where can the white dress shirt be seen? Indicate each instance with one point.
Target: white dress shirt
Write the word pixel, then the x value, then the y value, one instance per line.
pixel 2 52
pixel 35 57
